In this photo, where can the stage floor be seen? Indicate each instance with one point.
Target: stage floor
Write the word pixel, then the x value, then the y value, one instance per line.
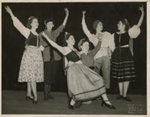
pixel 13 102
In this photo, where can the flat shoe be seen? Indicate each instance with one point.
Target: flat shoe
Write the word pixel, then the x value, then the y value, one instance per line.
pixel 119 97
pixel 29 98
pixel 127 99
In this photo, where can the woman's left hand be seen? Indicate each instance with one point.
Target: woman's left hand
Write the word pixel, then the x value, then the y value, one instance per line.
pixel 67 11
pixel 41 48
pixel 141 8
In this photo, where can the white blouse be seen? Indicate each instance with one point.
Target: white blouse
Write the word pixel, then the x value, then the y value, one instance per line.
pixel 107 45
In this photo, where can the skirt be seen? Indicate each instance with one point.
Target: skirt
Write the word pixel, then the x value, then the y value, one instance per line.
pixel 83 83
pixel 123 68
pixel 31 69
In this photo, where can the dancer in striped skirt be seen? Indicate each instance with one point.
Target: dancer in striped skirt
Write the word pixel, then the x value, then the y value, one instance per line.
pixel 123 68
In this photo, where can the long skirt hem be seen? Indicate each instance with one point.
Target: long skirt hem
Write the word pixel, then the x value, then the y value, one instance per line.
pixel 84 83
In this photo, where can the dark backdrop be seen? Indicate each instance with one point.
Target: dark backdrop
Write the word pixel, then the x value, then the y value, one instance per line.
pixel 108 13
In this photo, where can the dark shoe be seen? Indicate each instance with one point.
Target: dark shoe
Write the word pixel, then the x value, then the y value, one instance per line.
pixel 35 101
pixel 78 104
pixel 119 97
pixel 29 98
pixel 51 97
pixel 99 98
pixel 127 99
pixel 104 104
pixel 46 99
pixel 70 107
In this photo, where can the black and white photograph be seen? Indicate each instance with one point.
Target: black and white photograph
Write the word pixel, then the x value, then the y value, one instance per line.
pixel 74 58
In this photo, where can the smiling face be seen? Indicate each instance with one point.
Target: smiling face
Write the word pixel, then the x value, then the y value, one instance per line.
pixel 99 26
pixel 70 40
pixel 120 26
pixel 34 24
pixel 49 25
pixel 85 46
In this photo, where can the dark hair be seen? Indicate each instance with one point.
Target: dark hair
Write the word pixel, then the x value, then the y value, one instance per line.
pixel 67 35
pixel 49 20
pixel 81 42
pixel 30 19
pixel 126 23
pixel 95 23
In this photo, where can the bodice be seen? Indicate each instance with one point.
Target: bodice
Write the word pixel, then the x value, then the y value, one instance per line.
pixel 121 39
pixel 32 40
pixel 72 56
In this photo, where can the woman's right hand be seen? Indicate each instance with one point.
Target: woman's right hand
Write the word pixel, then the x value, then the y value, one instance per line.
pixel 83 13
pixel 141 8
pixel 8 10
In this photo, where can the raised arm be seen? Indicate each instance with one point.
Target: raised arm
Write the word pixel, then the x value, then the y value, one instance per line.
pixel 142 16
pixel 66 18
pixel 18 25
pixel 135 31
pixel 84 27
pixel 61 27
pixel 55 45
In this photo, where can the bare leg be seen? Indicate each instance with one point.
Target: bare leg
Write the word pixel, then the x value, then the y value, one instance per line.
pixel 33 86
pixel 29 90
pixel 126 86
pixel 120 88
pixel 106 102
pixel 105 99
pixel 72 102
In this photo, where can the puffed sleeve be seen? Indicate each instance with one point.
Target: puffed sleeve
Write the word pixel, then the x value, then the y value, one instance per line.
pixel 134 32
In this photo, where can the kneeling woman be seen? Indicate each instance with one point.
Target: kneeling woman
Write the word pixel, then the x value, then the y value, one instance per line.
pixel 83 83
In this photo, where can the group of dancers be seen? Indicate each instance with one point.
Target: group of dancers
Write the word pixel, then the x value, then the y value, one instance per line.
pixel 112 55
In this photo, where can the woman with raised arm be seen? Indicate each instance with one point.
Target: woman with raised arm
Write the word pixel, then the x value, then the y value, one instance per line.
pixel 51 56
pixel 103 56
pixel 31 69
pixel 87 55
pixel 83 83
pixel 123 68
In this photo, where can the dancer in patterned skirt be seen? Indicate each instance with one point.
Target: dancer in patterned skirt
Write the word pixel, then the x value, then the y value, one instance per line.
pixel 31 69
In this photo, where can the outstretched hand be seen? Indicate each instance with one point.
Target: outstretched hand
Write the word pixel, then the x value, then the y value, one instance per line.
pixel 83 12
pixel 66 10
pixel 8 10
pixel 43 33
pixel 141 8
